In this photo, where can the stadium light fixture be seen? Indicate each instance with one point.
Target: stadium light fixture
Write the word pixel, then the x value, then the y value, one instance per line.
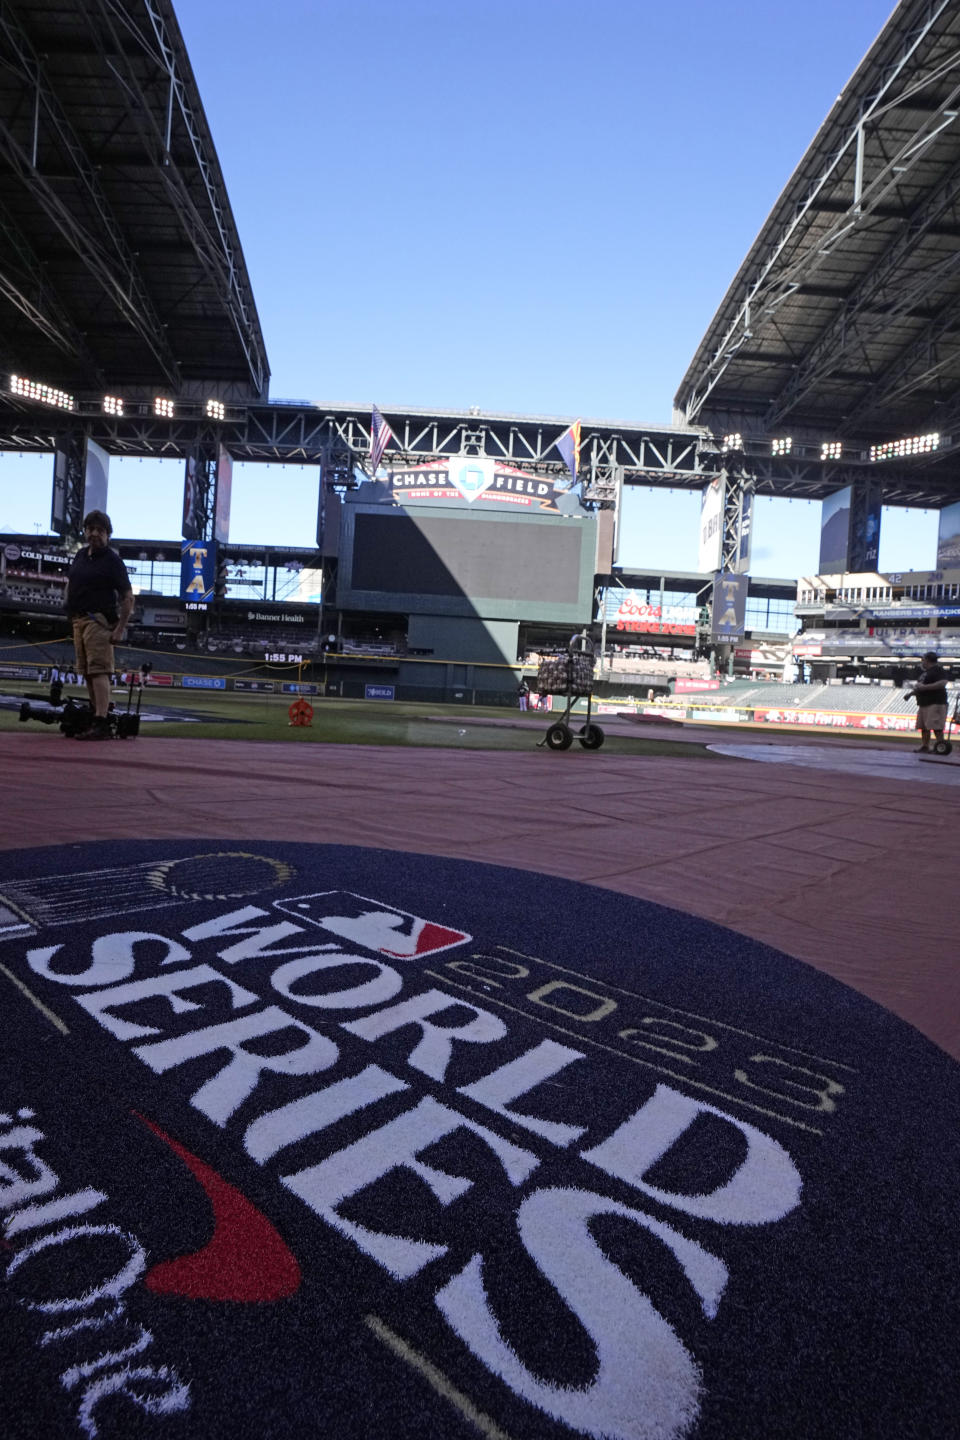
pixel 732 442
pixel 782 446
pixel 912 445
pixel 112 405
pixel 37 390
pixel 215 410
pixel 831 450
pixel 163 408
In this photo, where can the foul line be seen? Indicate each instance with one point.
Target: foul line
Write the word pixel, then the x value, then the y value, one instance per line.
pixel 35 1000
pixel 436 1378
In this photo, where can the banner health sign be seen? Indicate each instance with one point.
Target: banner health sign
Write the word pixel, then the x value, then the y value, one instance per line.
pixel 198 568
pixel 729 607
pixel 475 478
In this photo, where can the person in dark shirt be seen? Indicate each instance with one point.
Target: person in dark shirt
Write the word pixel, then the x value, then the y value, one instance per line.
pixel 930 693
pixel 99 603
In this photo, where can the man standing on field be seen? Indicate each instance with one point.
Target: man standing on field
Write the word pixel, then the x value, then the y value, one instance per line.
pixel 99 603
pixel 930 693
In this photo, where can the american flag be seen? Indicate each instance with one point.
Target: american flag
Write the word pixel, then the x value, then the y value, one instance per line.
pixel 380 437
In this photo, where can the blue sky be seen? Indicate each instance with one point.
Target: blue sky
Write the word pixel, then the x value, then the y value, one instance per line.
pixel 532 207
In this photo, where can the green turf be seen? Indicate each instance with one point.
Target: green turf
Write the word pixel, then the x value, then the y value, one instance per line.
pixel 354 722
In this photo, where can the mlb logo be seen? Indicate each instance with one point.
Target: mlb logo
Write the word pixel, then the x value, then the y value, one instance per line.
pixel 394 933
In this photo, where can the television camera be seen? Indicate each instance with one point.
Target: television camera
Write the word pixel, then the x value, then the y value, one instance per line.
pixel 75 716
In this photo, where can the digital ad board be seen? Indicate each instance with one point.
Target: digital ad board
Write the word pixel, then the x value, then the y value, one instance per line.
pixel 430 560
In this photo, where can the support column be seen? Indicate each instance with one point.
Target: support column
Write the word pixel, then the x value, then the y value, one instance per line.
pixel 738 488
pixel 603 487
pixel 337 474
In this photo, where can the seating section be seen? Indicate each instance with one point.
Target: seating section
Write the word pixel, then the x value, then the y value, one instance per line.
pixel 857 699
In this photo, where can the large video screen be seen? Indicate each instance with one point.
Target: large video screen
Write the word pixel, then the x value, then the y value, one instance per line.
pixel 507 560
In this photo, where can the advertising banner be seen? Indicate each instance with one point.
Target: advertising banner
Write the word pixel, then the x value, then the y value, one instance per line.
pixel 279 616
pixel 95 465
pixel 159 619
pixel 268 687
pixel 948 538
pixel 835 533
pixel 379 692
pixel 864 552
pixel 711 527
pixel 476 479
pixel 624 610
pixel 221 518
pixel 204 682
pixel 58 499
pixel 198 569
pixel 19 672
pixel 686 683
pixel 729 607
pixel 895 642
pixel 837 719
pixel 192 524
pixel 720 714
pixel 741 561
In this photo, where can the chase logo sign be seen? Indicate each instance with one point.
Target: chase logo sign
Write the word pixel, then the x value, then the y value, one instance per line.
pixel 357 1143
pixel 477 479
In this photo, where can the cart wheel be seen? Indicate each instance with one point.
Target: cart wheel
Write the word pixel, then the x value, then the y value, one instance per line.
pixel 591 737
pixel 559 737
pixel 943 747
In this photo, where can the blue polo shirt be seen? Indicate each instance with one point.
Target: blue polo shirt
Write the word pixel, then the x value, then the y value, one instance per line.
pixel 96 582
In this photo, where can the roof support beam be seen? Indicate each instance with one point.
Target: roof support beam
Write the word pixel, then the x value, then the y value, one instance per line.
pixel 25 284
pixel 112 263
pixel 211 235
pixel 853 325
pixel 790 261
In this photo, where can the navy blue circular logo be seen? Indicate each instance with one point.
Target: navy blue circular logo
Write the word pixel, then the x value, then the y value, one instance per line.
pixel 309 1139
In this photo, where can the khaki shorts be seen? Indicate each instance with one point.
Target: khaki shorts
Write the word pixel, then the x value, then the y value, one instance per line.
pixel 932 717
pixel 91 640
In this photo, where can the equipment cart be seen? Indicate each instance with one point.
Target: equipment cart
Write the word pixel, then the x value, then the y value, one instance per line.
pixel 570 675
pixel 944 747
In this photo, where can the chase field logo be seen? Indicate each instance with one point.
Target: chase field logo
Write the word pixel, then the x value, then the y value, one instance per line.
pixel 332 1140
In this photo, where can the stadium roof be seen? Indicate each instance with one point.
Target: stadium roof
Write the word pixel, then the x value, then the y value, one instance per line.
pixel 120 263
pixel 842 321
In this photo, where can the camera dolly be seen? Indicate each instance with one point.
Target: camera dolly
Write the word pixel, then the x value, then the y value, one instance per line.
pixel 74 717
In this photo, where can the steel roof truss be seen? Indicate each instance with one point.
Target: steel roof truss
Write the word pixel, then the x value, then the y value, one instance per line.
pixel 853 322
pixel 901 377
pixel 27 286
pixel 740 328
pixel 237 304
pixel 126 290
pixel 212 250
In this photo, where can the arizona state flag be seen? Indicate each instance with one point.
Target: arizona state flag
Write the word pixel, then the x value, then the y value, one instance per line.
pixel 569 447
